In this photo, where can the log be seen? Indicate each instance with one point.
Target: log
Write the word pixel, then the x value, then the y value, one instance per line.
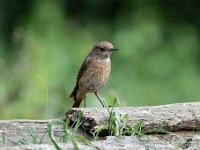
pixel 17 132
pixel 119 143
pixel 180 121
pixel 172 117
pixel 123 143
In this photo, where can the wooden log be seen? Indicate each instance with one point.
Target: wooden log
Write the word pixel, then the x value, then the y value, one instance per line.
pixel 119 143
pixel 181 120
pixel 173 117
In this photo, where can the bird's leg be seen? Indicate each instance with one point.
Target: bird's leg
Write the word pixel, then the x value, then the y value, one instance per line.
pixel 84 102
pixel 99 99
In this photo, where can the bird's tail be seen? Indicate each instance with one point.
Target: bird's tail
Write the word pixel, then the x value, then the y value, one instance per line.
pixel 74 92
pixel 77 103
pixel 77 97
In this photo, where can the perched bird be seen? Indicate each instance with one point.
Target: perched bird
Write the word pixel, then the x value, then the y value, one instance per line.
pixel 94 72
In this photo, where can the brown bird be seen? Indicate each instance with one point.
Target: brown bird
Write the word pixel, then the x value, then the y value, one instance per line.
pixel 94 72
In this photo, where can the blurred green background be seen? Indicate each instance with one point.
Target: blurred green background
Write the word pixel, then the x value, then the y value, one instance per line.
pixel 158 61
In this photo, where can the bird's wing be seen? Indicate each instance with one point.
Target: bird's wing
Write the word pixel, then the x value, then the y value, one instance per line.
pixel 83 68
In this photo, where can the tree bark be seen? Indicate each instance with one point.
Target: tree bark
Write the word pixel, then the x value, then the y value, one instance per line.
pixel 181 123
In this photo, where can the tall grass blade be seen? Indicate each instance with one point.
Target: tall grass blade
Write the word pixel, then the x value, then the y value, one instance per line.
pixel 47 95
pixel 52 137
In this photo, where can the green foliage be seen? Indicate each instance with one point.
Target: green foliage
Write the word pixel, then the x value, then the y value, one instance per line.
pixel 69 134
pixel 51 135
pixel 137 129
pixel 23 140
pixel 77 123
pixel 34 137
pixel 3 135
pixel 96 133
pixel 161 129
pixel 118 124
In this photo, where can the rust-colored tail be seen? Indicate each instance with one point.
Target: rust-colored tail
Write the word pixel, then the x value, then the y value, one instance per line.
pixel 77 97
pixel 74 92
pixel 77 103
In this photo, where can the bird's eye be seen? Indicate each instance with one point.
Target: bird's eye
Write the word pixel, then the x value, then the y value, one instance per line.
pixel 102 49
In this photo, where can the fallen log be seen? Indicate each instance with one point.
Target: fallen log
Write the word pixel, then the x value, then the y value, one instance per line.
pixel 173 117
pixel 181 123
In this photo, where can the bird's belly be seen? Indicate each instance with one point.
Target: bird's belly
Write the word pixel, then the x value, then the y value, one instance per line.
pixel 95 77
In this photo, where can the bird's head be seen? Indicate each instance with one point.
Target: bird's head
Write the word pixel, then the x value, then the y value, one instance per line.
pixel 103 49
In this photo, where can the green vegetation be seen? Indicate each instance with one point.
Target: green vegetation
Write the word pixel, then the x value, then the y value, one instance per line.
pixel 3 135
pixel 35 139
pixel 119 123
pixel 69 134
pixel 19 140
pixel 157 63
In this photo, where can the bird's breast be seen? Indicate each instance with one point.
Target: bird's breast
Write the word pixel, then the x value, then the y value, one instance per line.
pixel 103 69
pixel 96 75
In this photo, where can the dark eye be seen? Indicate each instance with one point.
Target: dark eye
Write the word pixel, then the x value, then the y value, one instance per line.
pixel 102 49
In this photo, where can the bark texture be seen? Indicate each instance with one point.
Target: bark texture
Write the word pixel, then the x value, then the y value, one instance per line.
pixel 181 123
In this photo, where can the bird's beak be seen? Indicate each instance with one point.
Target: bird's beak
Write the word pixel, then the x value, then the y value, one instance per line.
pixel 113 49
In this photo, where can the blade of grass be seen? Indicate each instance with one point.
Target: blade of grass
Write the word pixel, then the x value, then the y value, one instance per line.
pixel 24 141
pixel 47 95
pixel 87 142
pixel 110 117
pixel 52 137
pixel 137 128
pixel 41 140
pixel 95 134
pixel 65 128
pixel 78 122
pixel 161 129
pixel 3 137
pixel 74 142
pixel 33 135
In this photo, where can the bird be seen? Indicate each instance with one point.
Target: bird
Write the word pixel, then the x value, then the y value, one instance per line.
pixel 93 73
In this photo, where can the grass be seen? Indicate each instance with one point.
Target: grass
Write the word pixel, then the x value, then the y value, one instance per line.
pixel 118 124
pixel 35 139
pixel 69 135
pixel 3 134
pixel 47 95
pixel 96 133
pixel 161 129
pixel 22 140
pixel 52 137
